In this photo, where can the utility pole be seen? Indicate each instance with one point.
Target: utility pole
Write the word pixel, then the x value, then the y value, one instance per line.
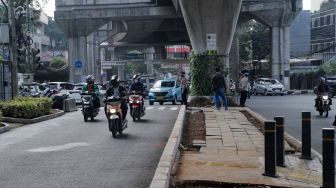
pixel 13 48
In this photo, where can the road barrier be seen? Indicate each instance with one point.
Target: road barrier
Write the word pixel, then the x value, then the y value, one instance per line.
pixel 328 155
pixel 306 136
pixel 280 143
pixel 69 105
pixel 270 147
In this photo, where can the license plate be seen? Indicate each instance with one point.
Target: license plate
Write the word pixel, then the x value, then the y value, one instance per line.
pixel 159 98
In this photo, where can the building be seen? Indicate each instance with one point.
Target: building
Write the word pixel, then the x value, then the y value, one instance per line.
pixel 323 34
pixel 41 41
pixel 300 35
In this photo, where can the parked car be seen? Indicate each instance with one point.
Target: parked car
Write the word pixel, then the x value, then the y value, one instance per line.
pixel 331 81
pixel 268 86
pixel 168 90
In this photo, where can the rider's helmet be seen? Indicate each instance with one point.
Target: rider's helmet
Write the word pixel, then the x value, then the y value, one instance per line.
pixel 136 78
pixel 322 80
pixel 114 81
pixel 90 79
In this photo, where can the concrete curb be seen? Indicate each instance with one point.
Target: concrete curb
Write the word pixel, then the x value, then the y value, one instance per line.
pixel 162 174
pixel 293 142
pixel 5 127
pixel 35 120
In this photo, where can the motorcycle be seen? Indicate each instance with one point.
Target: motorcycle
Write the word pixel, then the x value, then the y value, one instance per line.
pixel 88 107
pixel 58 100
pixel 323 104
pixel 114 115
pixel 137 109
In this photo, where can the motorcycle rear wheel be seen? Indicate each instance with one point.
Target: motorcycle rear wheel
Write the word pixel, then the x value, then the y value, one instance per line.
pixel 85 118
pixel 326 110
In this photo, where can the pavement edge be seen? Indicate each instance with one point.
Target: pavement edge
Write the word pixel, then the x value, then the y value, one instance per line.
pixel 162 173
pixel 5 128
pixel 35 120
pixel 293 142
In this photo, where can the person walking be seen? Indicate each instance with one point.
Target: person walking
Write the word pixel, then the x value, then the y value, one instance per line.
pixel 219 88
pixel 243 88
pixel 185 89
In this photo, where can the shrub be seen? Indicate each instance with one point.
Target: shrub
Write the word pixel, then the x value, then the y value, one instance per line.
pixel 26 107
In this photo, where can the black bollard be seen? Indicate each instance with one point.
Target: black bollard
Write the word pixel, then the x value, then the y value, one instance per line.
pixel 270 163
pixel 328 152
pixel 280 143
pixel 306 136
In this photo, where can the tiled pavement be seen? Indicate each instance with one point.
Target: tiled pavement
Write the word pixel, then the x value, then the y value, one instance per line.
pixel 234 153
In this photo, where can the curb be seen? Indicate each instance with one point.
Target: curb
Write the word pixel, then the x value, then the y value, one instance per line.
pixel 5 128
pixel 162 173
pixel 293 142
pixel 35 120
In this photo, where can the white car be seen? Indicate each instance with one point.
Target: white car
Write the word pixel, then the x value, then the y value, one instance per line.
pixel 66 87
pixel 268 86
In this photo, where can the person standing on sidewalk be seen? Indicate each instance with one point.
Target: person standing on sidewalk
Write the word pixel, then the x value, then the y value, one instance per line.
pixel 243 88
pixel 185 89
pixel 219 88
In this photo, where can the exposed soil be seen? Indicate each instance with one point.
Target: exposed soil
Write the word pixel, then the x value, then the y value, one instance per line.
pixel 194 129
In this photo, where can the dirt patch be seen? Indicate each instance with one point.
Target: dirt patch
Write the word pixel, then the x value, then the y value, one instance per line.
pixel 200 102
pixel 208 184
pixel 194 129
pixel 254 121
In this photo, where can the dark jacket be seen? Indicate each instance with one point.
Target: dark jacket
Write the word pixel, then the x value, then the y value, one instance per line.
pixel 139 87
pixel 218 81
pixel 323 88
pixel 110 92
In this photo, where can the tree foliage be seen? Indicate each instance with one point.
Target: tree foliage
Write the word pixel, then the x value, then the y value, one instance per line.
pixel 55 33
pixel 255 41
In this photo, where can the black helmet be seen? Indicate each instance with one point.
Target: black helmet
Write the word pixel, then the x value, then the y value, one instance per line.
pixel 136 77
pixel 114 80
pixel 90 79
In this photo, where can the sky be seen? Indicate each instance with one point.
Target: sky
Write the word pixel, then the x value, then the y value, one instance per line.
pixel 49 8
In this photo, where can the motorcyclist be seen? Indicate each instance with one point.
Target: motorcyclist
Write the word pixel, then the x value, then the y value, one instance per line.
pixel 92 88
pixel 321 88
pixel 118 91
pixel 138 88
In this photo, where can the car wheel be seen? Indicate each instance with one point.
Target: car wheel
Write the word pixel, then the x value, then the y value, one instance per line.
pixel 174 101
pixel 265 92
pixel 161 103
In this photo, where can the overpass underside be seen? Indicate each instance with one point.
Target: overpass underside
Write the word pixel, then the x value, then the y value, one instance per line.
pixel 152 24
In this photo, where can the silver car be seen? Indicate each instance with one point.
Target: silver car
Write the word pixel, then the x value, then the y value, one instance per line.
pixel 268 86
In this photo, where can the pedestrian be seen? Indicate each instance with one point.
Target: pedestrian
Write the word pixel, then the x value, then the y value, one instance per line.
pixel 185 89
pixel 243 88
pixel 219 88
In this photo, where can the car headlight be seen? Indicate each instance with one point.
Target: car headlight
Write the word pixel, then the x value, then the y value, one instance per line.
pixel 325 97
pixel 113 111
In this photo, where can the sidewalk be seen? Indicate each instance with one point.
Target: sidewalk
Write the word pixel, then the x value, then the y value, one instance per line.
pixel 234 153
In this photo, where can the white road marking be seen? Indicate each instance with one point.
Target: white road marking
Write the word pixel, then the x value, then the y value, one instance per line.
pixel 174 108
pixel 59 148
pixel 161 108
pixel 149 108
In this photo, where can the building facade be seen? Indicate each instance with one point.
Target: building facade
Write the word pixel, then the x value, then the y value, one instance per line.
pixel 300 35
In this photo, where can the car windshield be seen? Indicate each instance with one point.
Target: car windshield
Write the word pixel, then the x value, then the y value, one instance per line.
pixel 267 81
pixel 53 86
pixel 274 81
pixel 67 86
pixel 161 83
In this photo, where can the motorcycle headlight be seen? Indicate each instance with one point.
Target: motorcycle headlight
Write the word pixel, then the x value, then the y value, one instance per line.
pixel 325 97
pixel 113 111
pixel 130 101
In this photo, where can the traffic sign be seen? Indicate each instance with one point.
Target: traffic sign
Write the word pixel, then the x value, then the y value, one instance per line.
pixel 78 64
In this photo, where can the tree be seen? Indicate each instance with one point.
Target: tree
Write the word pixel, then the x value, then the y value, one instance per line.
pixel 55 33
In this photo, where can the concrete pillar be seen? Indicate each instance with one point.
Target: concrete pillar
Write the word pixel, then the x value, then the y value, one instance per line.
pixel 218 17
pixel 77 52
pixel 234 59
pixel 121 72
pixel 286 58
pixel 276 52
pixel 150 58
pixel 90 55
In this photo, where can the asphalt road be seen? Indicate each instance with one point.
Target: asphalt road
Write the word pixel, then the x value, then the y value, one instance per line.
pixel 291 106
pixel 67 152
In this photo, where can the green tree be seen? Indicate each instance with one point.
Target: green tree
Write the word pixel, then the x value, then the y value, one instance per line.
pixel 55 33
